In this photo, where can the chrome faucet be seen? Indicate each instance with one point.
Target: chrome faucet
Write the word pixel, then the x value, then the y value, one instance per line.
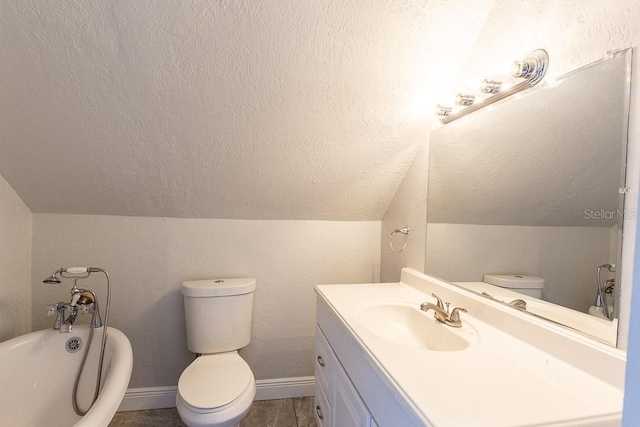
pixel 82 301
pixel 442 314
pixel 59 311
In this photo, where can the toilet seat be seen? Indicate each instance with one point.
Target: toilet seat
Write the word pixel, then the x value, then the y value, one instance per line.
pixel 213 382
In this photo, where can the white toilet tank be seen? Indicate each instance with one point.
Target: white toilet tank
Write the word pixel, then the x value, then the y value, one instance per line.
pixel 527 285
pixel 218 314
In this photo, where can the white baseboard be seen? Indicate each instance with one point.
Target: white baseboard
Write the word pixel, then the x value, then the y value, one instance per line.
pixel 284 388
pixel 137 399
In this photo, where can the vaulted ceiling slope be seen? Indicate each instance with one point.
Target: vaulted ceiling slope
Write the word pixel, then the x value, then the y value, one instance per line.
pixel 222 109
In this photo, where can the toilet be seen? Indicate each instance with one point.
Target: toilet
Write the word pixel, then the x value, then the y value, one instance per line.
pixel 527 285
pixel 218 387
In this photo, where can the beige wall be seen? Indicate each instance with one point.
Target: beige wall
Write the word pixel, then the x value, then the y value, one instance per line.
pixel 15 264
pixel 148 258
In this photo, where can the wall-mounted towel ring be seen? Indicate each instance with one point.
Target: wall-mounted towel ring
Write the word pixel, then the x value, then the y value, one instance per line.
pixel 405 231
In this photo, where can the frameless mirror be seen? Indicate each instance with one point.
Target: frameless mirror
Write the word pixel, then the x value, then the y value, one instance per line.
pixel 533 186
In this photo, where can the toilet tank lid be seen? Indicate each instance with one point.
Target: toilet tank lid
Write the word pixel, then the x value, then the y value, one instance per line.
pixel 516 281
pixel 218 287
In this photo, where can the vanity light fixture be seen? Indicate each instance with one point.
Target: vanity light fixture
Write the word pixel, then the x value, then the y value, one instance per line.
pixel 442 110
pixel 490 86
pixel 531 70
pixel 465 99
pixel 524 69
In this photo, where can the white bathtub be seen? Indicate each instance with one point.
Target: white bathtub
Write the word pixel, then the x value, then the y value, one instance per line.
pixel 37 374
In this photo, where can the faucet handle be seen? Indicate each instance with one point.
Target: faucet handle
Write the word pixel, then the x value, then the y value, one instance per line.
pixel 439 304
pixel 455 314
pixel 52 310
pixel 519 304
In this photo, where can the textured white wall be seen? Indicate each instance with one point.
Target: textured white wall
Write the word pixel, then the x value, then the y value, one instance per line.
pixel 575 33
pixel 564 256
pixel 244 109
pixel 149 258
pixel 15 263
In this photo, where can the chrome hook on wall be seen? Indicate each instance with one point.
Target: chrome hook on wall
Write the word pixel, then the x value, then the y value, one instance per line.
pixel 405 231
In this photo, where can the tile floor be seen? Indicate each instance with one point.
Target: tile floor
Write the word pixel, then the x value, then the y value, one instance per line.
pixel 296 412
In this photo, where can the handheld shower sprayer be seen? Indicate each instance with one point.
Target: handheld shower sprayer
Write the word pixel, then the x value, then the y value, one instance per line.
pixel 54 279
pixel 70 273
pixel 82 300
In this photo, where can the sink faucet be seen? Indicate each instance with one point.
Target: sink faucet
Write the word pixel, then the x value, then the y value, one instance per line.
pixel 442 314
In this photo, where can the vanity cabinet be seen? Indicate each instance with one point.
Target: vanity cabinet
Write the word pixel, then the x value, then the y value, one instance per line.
pixel 337 402
pixel 513 368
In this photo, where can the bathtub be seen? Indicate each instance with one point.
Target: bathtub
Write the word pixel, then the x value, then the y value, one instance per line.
pixel 38 370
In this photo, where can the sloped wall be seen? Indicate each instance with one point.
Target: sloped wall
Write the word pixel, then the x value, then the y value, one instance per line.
pixel 148 258
pixel 408 209
pixel 15 263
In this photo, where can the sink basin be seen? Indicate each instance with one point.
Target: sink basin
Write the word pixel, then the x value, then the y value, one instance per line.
pixel 406 324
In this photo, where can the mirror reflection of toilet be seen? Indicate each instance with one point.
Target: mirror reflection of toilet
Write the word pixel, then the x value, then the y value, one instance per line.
pixel 218 387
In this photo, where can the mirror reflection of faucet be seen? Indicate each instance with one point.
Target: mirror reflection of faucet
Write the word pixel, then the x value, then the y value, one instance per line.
pixel 520 304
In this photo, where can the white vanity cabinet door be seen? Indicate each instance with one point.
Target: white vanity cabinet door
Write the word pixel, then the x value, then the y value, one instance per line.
pixel 324 361
pixel 324 364
pixel 348 409
pixel 337 402
pixel 322 409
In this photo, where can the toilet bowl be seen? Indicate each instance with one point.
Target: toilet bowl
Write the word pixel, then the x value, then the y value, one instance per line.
pixel 215 390
pixel 218 387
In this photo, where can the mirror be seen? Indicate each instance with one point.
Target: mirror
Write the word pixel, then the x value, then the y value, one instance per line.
pixel 531 186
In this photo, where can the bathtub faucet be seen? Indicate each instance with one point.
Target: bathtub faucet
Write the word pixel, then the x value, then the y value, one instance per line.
pixel 59 311
pixel 82 301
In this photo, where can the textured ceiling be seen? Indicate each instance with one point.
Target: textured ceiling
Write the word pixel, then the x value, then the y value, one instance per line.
pixel 227 109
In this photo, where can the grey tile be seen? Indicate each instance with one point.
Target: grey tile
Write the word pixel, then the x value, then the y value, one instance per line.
pixel 154 417
pixel 305 412
pixel 296 412
pixel 271 413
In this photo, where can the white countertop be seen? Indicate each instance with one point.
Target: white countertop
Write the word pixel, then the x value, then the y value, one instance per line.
pixel 498 381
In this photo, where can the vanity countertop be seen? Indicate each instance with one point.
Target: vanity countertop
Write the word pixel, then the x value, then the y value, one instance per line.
pixel 499 380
